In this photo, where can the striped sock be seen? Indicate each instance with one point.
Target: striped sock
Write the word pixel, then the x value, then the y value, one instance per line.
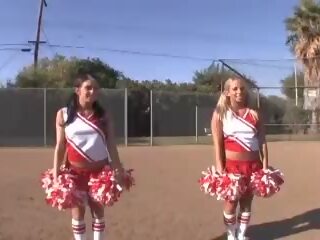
pixel 243 223
pixel 79 229
pixel 98 226
pixel 230 222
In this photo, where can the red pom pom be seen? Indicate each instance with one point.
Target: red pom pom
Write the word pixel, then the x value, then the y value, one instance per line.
pixel 209 181
pixel 104 187
pixel 265 183
pixel 225 186
pixel 232 187
pixel 63 193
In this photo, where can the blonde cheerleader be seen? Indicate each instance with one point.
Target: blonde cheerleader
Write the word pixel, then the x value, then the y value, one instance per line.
pixel 240 148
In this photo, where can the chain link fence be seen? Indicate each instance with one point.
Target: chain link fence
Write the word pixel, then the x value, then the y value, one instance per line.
pixel 147 117
pixel 30 114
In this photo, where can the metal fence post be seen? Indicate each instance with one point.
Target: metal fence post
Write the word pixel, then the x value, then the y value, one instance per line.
pixel 151 118
pixel 296 83
pixel 126 117
pixel 258 98
pixel 45 117
pixel 196 126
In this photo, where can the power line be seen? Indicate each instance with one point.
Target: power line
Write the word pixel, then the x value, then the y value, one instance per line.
pixel 269 60
pixel 14 44
pixel 16 49
pixel 232 69
pixel 259 65
pixel 47 40
pixel 134 52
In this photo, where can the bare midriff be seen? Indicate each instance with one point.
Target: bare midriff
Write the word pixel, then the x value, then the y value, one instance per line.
pixel 245 156
pixel 91 166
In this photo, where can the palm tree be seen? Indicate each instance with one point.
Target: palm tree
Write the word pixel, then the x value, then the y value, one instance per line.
pixel 304 41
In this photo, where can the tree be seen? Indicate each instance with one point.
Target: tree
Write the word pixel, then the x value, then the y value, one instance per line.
pixel 106 76
pixel 296 118
pixel 212 78
pixel 59 72
pixel 169 97
pixel 304 41
pixel 288 85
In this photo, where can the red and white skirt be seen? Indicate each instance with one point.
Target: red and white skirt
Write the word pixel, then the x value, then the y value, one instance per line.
pixel 82 177
pixel 245 168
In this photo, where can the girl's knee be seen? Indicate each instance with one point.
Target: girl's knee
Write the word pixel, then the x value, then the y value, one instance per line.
pixel 246 199
pixel 98 213
pixel 245 204
pixel 230 206
pixel 78 213
pixel 97 210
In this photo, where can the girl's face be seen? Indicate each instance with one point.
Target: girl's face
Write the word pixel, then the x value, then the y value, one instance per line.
pixel 87 92
pixel 237 91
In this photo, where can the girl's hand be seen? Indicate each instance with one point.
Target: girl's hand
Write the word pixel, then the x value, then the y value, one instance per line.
pixel 55 175
pixel 120 176
pixel 220 169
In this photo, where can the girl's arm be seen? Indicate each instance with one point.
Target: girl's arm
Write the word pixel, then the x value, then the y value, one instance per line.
pixel 263 147
pixel 111 144
pixel 217 135
pixel 60 148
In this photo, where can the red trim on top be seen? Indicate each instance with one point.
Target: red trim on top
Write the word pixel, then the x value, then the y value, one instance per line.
pixel 241 143
pixel 244 120
pixel 98 130
pixel 78 150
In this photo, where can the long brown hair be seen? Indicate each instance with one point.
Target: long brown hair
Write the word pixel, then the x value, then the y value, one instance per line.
pixel 72 104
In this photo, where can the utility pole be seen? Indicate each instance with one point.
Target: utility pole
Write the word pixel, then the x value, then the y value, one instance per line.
pixel 37 42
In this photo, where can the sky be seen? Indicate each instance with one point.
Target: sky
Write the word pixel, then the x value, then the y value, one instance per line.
pixel 204 30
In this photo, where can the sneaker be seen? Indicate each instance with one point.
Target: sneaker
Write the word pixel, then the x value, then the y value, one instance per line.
pixel 231 237
pixel 242 237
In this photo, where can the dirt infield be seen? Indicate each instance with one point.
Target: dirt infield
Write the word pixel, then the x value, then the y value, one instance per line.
pixel 166 203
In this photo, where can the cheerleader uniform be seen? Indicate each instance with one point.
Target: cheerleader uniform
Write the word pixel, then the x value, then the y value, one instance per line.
pixel 240 135
pixel 85 142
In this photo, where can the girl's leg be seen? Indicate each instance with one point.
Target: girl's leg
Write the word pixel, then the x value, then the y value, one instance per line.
pixel 229 216
pixel 98 222
pixel 244 216
pixel 78 224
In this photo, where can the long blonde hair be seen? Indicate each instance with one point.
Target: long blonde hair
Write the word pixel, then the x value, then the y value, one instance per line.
pixel 224 102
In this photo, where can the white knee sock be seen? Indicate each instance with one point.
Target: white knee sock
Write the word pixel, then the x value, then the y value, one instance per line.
pixel 79 229
pixel 243 223
pixel 230 222
pixel 98 227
